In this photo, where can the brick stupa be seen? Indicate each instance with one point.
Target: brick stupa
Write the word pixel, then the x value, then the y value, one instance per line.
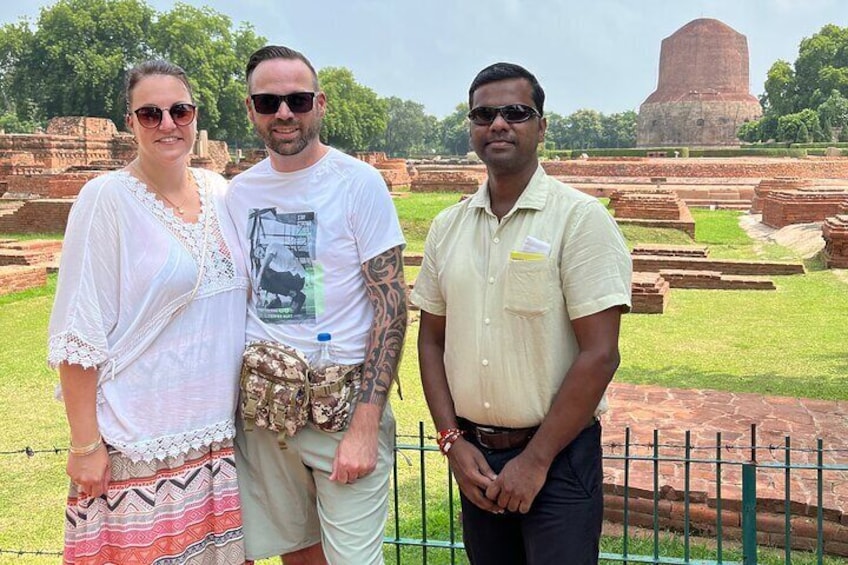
pixel 702 94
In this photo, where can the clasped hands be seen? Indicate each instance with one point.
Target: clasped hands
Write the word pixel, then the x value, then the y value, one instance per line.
pixel 514 488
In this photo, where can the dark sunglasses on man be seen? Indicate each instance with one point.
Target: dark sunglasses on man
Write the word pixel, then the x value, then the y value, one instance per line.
pixel 182 114
pixel 297 102
pixel 511 113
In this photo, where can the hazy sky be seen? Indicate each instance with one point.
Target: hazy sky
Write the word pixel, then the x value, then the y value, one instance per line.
pixel 601 54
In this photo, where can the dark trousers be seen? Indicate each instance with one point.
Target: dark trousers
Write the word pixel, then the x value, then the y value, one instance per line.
pixel 564 522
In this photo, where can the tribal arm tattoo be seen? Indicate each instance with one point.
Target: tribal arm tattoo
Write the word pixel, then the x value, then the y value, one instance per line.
pixel 386 289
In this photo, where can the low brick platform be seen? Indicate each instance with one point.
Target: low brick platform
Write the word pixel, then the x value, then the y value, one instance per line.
pixel 649 293
pixel 714 280
pixel 30 252
pixel 38 216
pixel 672 412
pixel 687 227
pixel 783 208
pixel 17 278
pixel 656 263
pixel 766 186
pixel 671 250
pixel 434 178
pixel 835 234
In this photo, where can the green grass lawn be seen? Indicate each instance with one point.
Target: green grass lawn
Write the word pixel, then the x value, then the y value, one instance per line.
pixel 785 342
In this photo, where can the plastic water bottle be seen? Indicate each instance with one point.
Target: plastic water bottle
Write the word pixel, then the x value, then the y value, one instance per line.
pixel 322 358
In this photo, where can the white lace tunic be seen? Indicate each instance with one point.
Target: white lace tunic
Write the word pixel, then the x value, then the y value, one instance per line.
pixel 168 368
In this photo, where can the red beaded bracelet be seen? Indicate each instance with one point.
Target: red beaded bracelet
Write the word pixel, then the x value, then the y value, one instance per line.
pixel 447 438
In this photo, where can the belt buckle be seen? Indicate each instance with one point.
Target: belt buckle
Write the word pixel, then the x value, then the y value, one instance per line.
pixel 478 435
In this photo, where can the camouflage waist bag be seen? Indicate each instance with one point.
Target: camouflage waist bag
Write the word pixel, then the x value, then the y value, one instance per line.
pixel 280 393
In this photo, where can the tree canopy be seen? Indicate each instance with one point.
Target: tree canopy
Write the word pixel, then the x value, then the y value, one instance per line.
pixel 817 83
pixel 74 61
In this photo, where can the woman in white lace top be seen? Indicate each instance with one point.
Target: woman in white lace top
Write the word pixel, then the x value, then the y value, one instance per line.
pixel 147 332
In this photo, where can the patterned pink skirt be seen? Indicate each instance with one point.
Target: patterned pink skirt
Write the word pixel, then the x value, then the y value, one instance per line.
pixel 177 511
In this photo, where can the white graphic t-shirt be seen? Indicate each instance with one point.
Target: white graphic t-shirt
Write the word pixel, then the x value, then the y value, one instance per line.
pixel 305 236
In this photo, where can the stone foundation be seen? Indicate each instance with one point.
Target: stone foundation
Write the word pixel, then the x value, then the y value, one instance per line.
pixel 435 178
pixel 702 168
pixel 671 250
pixel 649 293
pixel 393 171
pixel 657 263
pixel 684 278
pixel 29 252
pixel 835 234
pixel 783 208
pixel 38 216
pixel 19 278
pixel 766 186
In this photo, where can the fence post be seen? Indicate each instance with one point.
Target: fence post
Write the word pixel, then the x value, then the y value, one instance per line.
pixel 749 513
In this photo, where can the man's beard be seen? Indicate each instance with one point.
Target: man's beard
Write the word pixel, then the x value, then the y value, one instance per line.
pixel 307 133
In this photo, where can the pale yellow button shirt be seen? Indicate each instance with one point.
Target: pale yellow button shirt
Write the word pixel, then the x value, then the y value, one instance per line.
pixel 509 290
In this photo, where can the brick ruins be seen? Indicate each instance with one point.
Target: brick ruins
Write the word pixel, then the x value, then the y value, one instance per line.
pixel 766 186
pixel 702 94
pixel 447 178
pixel 810 204
pixel 393 171
pixel 835 234
pixel 656 208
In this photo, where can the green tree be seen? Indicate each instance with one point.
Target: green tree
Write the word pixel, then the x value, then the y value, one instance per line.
pixel 822 65
pixel 454 135
pixel 356 117
pixel 584 129
pixel 780 89
pixel 406 128
pixel 834 110
pixel 202 41
pixel 619 130
pixel 556 131
pixel 800 127
pixel 749 131
pixel 75 61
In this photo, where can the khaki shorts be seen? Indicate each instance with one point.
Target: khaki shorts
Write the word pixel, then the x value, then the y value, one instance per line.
pixel 289 501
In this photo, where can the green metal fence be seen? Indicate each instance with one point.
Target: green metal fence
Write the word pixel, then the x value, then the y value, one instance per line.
pixel 739 528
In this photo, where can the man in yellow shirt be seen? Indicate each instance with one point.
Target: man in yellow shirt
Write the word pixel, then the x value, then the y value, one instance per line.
pixel 521 292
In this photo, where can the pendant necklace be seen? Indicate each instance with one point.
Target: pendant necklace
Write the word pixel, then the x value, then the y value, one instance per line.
pixel 178 208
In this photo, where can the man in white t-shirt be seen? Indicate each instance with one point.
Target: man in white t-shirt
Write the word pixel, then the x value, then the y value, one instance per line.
pixel 323 234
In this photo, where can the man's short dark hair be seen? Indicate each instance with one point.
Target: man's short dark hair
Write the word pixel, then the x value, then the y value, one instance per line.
pixel 506 71
pixel 277 52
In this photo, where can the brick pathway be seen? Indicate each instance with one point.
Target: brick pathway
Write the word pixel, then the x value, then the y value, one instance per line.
pixel 673 411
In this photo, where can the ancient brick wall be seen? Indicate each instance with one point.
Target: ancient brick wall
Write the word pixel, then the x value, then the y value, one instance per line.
pixel 443 179
pixel 38 216
pixel 220 155
pixel 19 278
pixel 654 205
pixel 766 186
pixel 79 126
pixel 835 168
pixel 783 208
pixel 649 293
pixel 835 235
pixel 64 185
pixel 656 263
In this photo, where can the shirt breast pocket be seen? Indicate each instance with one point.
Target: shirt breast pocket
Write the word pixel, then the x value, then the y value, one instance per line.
pixel 528 287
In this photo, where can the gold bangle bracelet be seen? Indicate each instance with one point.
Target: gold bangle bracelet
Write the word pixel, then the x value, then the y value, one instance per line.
pixel 86 449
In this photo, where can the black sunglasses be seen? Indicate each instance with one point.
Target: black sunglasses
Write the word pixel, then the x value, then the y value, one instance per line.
pixel 298 102
pixel 181 113
pixel 512 114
